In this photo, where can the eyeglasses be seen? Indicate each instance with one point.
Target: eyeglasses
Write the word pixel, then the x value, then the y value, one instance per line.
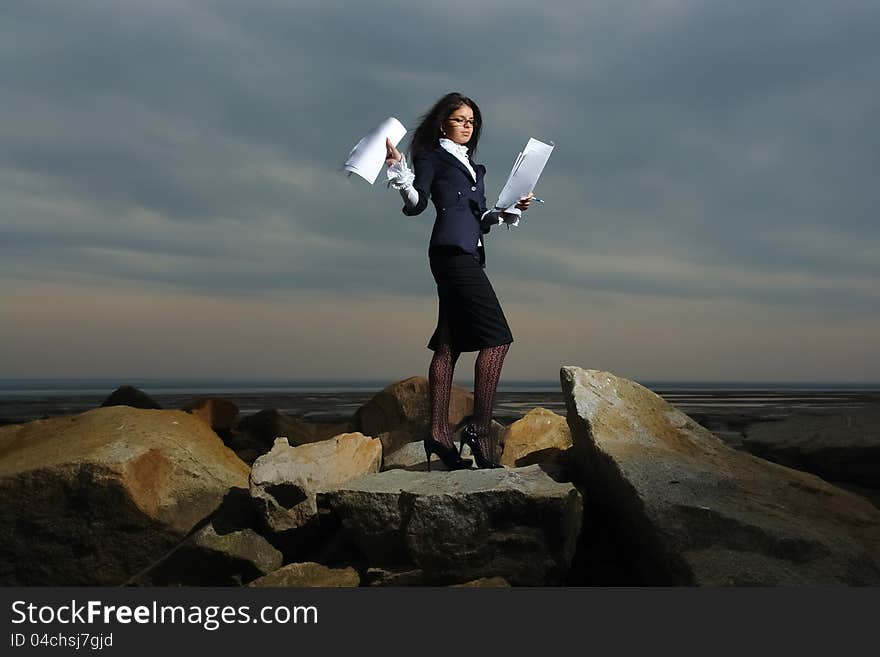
pixel 457 120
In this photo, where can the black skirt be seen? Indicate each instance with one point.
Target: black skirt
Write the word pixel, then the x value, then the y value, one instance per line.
pixel 469 316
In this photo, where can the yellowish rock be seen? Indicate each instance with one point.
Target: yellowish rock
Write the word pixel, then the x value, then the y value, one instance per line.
pixel 106 492
pixel 538 436
pixel 219 414
pixel 309 574
pixel 484 583
pixel 284 481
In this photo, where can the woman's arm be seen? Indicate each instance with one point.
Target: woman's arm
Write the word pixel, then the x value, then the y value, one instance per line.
pixel 415 189
pixel 496 217
pixel 401 179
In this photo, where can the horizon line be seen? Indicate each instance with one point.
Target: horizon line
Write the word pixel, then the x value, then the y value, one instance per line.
pixel 377 380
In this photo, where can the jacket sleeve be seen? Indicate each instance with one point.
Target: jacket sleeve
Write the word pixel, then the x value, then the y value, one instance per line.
pixel 424 166
pixel 488 219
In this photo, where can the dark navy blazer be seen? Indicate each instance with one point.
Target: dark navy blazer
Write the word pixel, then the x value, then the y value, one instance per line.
pixel 458 199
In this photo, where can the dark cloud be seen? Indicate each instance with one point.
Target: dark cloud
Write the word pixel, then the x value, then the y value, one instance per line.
pixel 739 135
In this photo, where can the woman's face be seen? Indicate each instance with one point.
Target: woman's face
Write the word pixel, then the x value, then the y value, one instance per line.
pixel 459 126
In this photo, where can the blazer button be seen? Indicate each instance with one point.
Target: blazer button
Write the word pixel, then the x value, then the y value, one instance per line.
pixel 473 189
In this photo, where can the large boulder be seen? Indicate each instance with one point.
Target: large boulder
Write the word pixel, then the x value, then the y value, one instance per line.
pixel 405 405
pixel 93 499
pixel 844 447
pixel 458 526
pixel 284 481
pixel 696 512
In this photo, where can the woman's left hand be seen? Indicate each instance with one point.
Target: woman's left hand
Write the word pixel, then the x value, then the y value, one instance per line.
pixel 525 201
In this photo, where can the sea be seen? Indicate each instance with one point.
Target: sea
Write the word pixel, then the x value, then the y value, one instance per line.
pixel 722 407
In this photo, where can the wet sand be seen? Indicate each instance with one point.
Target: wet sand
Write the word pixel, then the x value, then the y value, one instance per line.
pixel 726 413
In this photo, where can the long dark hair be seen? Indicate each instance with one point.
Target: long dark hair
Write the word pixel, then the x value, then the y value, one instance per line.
pixel 427 135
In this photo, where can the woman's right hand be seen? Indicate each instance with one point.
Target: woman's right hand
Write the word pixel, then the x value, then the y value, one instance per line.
pixel 393 155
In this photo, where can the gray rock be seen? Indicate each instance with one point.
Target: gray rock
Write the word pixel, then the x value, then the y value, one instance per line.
pixel 515 523
pixel 224 551
pixel 411 456
pixel 392 441
pixel 211 559
pixel 697 512
pixel 836 447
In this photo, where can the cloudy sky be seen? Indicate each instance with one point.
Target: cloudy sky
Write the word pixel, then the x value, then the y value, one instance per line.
pixel 170 203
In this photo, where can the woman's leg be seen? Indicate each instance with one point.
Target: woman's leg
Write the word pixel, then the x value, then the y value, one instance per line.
pixel 487 371
pixel 440 389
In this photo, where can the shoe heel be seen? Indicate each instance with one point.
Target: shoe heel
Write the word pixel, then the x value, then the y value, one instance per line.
pixel 428 455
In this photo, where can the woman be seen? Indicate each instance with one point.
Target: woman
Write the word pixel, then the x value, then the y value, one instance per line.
pixel 470 317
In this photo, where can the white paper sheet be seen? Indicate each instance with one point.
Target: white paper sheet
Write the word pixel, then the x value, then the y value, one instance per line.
pixel 367 158
pixel 525 173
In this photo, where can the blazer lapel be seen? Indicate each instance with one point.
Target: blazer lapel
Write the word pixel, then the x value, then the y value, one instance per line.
pixel 454 161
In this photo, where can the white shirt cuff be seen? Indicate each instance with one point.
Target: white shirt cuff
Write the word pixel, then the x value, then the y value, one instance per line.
pixel 510 216
pixel 399 175
pixel 401 178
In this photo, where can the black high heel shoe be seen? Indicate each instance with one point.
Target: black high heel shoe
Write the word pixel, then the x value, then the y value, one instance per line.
pixel 469 435
pixel 451 459
pixel 461 440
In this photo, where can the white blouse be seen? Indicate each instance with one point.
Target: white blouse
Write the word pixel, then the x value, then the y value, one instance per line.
pixel 401 178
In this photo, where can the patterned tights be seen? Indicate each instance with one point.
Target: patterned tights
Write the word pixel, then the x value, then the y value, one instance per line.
pixel 440 389
pixel 487 371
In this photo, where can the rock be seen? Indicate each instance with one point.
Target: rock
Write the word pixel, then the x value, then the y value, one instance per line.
pixel 404 405
pixel 462 525
pixel 255 434
pixel 309 574
pixel 540 436
pixel 284 481
pixel 484 583
pixel 870 494
pixel 835 447
pixel 130 396
pixel 498 433
pixel 219 414
pixel 211 559
pixel 411 456
pixel 697 512
pixel 391 576
pixel 392 441
pixel 226 551
pixel 265 426
pixel 93 499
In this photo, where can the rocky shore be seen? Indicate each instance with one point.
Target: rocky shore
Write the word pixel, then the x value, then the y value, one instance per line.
pixel 624 489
